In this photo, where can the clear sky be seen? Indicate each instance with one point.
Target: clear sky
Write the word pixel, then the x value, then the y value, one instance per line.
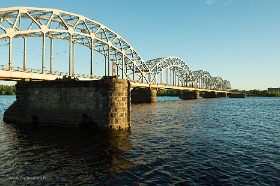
pixel 238 40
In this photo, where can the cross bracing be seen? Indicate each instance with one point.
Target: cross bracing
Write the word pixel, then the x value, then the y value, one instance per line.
pixel 49 24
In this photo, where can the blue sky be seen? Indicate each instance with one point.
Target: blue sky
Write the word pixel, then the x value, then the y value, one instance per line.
pixel 238 40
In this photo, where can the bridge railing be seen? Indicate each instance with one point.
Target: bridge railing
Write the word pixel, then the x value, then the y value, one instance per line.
pixel 39 71
pixel 30 70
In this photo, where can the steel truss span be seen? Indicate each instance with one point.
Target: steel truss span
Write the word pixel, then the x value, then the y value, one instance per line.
pixel 120 57
pixel 56 24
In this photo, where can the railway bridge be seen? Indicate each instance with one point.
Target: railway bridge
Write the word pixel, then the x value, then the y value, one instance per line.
pixel 72 70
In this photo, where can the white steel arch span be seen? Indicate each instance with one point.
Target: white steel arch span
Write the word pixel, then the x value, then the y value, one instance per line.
pixel 56 24
pixel 47 23
pixel 218 83
pixel 203 79
pixel 227 85
pixel 176 66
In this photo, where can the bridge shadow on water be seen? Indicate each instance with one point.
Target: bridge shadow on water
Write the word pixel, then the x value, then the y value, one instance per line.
pixel 63 156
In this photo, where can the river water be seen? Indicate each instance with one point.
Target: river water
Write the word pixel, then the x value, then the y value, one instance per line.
pixel 172 142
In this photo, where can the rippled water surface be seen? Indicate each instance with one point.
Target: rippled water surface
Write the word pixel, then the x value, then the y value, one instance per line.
pixel 172 142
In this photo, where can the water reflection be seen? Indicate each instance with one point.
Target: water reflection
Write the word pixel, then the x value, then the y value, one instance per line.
pixel 186 142
pixel 53 155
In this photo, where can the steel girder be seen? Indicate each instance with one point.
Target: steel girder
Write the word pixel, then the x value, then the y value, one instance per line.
pixel 52 23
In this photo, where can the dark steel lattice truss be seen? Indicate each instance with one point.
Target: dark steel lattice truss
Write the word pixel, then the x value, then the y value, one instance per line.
pixel 24 22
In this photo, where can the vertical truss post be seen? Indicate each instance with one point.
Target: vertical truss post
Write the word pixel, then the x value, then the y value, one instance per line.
pixel 126 71
pixel 166 79
pixel 122 66
pixel 113 68
pixel 173 78
pixel 117 64
pixel 73 58
pixel 43 53
pixel 186 80
pixel 133 77
pixel 105 63
pixel 114 64
pixel 92 57
pixel 70 56
pixel 51 54
pixel 10 53
pixel 109 60
pixel 24 54
pixel 170 77
pixel 161 78
pixel 156 74
pixel 178 79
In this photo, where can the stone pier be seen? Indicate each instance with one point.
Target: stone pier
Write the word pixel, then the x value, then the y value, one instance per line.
pixel 212 94
pixel 143 95
pixel 103 104
pixel 237 95
pixel 189 94
pixel 221 94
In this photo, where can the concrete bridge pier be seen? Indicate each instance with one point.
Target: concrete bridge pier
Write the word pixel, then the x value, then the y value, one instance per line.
pixel 189 94
pixel 143 95
pixel 221 94
pixel 212 94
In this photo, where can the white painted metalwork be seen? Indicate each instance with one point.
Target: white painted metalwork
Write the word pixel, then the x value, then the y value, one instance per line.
pixel 46 23
pixel 57 24
pixel 203 79
pixel 177 66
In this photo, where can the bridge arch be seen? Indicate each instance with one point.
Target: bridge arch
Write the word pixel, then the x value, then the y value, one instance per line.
pixel 24 22
pixel 227 85
pixel 178 72
pixel 203 79
pixel 120 58
pixel 218 83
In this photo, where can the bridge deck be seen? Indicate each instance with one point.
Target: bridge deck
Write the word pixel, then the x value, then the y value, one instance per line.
pixel 164 86
pixel 13 75
pixel 17 75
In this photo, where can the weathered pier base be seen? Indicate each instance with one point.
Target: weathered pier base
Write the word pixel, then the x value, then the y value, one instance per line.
pixel 143 95
pixel 221 94
pixel 189 94
pixel 101 103
pixel 237 95
pixel 211 94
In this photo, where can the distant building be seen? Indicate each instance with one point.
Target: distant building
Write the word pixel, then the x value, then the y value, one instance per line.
pixel 273 89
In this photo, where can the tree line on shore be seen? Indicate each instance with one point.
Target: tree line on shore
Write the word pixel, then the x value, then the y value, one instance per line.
pixel 256 93
pixel 7 89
